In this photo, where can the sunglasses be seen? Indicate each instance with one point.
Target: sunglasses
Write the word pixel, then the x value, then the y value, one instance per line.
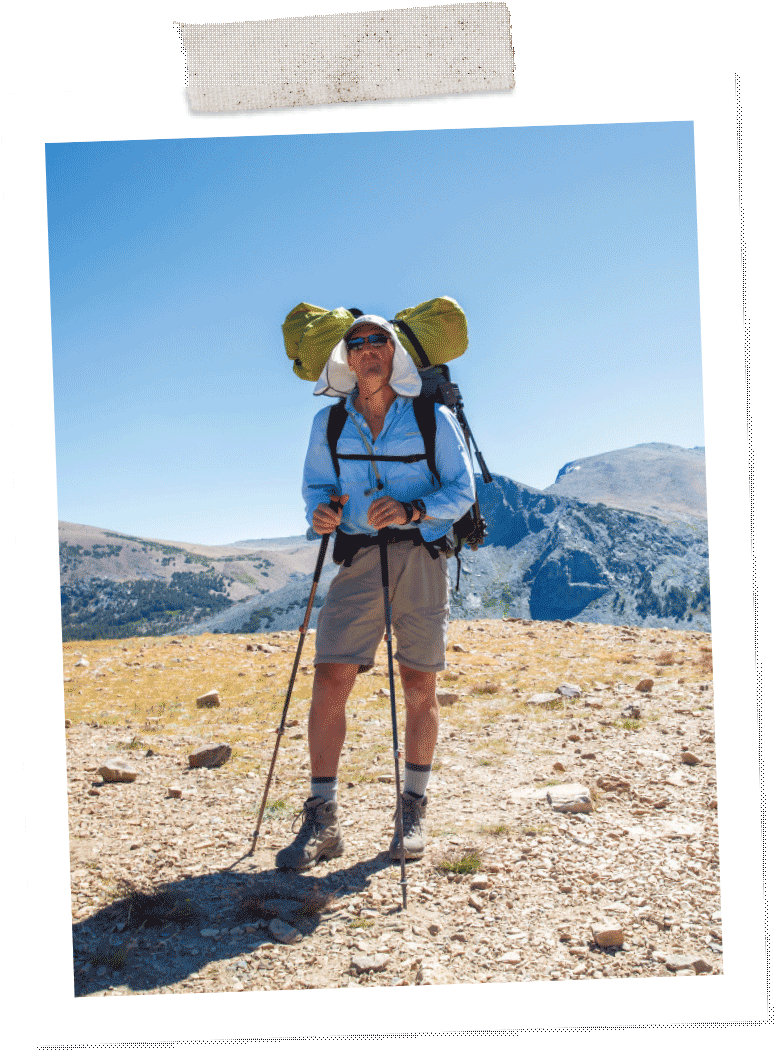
pixel 375 339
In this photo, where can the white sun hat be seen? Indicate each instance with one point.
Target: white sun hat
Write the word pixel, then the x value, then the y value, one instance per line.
pixel 338 379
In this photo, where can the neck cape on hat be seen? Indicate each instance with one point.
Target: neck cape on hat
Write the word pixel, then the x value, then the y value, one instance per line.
pixel 338 379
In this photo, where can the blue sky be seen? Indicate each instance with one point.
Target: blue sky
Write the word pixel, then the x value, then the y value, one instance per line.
pixel 572 250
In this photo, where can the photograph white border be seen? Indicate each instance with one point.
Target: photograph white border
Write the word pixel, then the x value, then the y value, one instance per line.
pixel 102 74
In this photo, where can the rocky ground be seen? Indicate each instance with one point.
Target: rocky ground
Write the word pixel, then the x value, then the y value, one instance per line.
pixel 626 884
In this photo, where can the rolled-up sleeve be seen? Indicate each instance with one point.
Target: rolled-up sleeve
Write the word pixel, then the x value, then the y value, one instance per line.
pixel 457 488
pixel 319 478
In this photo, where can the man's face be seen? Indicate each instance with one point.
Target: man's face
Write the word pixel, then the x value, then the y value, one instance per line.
pixel 372 363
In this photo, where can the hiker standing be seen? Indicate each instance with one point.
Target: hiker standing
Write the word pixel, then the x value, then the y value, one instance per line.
pixel 402 497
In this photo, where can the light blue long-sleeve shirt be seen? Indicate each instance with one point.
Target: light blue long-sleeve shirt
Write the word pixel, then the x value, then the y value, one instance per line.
pixel 403 482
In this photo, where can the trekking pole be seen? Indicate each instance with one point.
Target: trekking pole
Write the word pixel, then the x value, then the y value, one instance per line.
pixel 399 809
pixel 334 505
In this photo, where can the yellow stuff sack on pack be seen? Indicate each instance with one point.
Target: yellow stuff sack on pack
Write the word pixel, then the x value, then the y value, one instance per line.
pixel 310 333
pixel 439 326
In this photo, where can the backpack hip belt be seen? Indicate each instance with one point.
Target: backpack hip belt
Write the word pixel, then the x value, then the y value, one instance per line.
pixel 347 545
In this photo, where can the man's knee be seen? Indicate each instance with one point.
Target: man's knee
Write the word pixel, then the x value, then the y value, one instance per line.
pixel 419 688
pixel 333 683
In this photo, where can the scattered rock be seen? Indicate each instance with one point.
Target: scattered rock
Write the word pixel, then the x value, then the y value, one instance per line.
pixel 83 662
pixel 632 711
pixel 283 932
pixel 569 690
pixel 68 723
pixel 680 962
pixel 459 648
pixel 608 934
pixel 433 973
pixel 210 756
pixel 174 791
pixel 531 924
pixel 118 770
pixel 570 797
pixel 447 698
pixel 612 784
pixel 645 685
pixel 209 699
pixel 690 758
pixel 545 699
pixel 369 963
pixel 557 766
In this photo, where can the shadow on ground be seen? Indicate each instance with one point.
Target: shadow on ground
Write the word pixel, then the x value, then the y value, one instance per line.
pixel 148 940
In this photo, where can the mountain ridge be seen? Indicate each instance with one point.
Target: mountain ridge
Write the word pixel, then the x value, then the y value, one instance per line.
pixel 655 478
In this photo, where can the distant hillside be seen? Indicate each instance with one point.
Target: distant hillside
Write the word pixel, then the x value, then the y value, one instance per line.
pixel 115 585
pixel 655 478
pixel 273 544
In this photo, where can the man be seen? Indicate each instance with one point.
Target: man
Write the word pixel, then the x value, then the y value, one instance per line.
pixel 380 380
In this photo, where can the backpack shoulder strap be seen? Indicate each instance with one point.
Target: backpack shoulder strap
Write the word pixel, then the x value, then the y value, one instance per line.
pixel 425 415
pixel 334 425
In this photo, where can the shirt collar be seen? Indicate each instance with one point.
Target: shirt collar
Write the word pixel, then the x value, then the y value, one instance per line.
pixel 398 404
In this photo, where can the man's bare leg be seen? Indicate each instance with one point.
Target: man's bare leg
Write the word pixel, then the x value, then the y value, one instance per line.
pixel 327 723
pixel 422 724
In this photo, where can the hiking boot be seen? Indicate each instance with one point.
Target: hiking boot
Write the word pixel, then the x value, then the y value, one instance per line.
pixel 318 838
pixel 413 812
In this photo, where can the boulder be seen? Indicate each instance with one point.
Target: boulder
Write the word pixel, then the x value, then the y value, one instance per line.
pixel 209 699
pixel 210 756
pixel 570 797
pixel 117 770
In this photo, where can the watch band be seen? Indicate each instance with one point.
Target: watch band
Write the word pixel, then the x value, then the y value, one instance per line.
pixel 421 507
pixel 409 510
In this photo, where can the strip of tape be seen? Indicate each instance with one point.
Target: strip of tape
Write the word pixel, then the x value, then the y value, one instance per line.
pixel 349 57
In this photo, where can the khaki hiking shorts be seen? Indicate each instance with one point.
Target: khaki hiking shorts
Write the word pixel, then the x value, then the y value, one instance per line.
pixel 351 623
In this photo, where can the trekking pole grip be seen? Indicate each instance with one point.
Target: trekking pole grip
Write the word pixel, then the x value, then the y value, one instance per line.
pixel 335 504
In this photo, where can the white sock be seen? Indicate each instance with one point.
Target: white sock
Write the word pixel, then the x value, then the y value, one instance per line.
pixel 325 787
pixel 416 778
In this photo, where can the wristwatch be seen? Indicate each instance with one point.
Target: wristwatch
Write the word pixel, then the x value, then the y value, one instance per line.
pixel 421 507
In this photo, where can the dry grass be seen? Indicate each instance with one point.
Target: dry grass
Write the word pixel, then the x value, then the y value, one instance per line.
pixel 151 906
pixel 145 690
pixel 465 863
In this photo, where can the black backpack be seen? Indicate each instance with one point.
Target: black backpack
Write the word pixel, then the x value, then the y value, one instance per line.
pixel 471 528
